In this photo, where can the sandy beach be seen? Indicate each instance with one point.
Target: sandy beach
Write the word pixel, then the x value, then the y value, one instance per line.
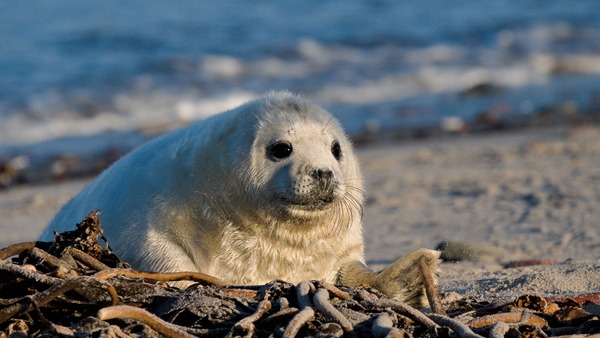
pixel 500 197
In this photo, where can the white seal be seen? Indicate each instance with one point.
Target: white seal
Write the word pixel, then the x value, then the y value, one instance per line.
pixel 269 190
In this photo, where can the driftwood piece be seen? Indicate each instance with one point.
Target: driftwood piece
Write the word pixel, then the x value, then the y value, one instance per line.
pixel 52 262
pixel 521 318
pixel 15 249
pixel 247 324
pixel 165 277
pixel 279 315
pixel 499 330
pixel 403 309
pixel 459 328
pixel 298 321
pixel 18 271
pixel 334 290
pixel 124 311
pixel 306 311
pixel 431 290
pixel 321 300
pixel 87 259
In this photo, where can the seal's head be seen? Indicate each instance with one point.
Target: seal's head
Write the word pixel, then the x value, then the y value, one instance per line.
pixel 302 163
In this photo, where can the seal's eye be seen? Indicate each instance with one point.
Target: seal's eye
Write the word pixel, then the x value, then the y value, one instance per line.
pixel 336 150
pixel 279 150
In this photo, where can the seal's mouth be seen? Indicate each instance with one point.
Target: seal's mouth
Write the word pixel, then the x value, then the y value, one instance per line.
pixel 309 204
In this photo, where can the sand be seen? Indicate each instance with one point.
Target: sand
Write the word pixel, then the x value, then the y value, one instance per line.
pixel 506 196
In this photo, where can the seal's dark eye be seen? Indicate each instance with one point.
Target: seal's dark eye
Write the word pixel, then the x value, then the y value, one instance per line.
pixel 336 150
pixel 279 150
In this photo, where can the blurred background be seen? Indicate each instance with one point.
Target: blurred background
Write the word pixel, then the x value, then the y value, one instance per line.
pixel 96 79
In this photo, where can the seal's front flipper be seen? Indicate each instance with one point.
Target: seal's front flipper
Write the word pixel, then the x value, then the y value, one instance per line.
pixel 401 280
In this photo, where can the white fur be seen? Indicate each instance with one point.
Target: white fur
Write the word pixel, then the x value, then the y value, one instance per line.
pixel 208 198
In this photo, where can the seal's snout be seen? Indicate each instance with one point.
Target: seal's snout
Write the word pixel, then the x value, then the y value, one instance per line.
pixel 325 183
pixel 323 176
pixel 316 189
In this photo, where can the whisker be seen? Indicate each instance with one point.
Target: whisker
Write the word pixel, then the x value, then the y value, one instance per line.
pixel 326 125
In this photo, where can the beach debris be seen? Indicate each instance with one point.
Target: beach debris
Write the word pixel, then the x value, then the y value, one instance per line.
pixel 431 290
pixel 457 251
pixel 535 303
pixel 521 318
pixel 247 324
pixel 321 301
pixel 383 326
pixel 499 330
pixel 529 262
pixel 461 329
pixel 125 311
pixel 76 287
pixel 580 299
pixel 572 316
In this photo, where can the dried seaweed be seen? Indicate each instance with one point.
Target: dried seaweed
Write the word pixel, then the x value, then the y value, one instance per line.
pixel 76 287
pixel 85 239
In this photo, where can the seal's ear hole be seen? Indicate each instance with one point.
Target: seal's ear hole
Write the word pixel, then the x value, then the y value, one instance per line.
pixel 336 150
pixel 279 150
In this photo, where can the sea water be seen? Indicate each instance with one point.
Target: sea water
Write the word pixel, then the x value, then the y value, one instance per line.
pixel 84 68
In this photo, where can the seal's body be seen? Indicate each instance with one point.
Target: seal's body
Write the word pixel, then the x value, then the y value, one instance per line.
pixel 269 190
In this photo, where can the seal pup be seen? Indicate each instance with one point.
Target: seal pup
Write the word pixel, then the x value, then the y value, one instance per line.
pixel 269 190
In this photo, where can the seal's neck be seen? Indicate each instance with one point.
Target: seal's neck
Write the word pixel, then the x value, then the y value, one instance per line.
pixel 259 256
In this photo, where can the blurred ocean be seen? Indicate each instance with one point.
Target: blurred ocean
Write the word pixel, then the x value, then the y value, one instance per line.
pixel 83 68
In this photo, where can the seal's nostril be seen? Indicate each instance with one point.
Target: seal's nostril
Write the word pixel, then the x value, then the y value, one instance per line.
pixel 321 174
